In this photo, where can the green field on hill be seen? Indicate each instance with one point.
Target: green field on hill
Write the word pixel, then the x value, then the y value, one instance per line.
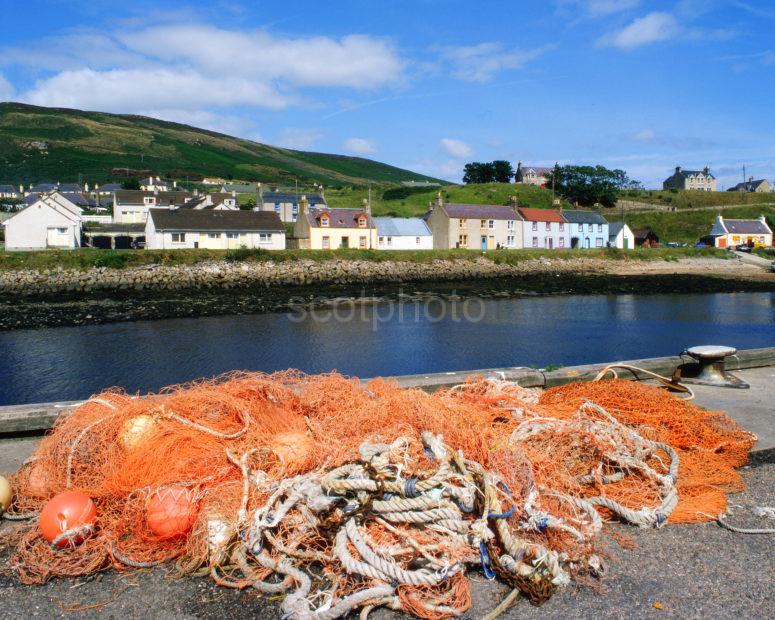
pixel 416 203
pixel 689 226
pixel 693 199
pixel 55 144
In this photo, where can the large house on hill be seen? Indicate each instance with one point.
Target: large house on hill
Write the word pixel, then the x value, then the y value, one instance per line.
pixel 728 233
pixel 474 227
pixel 700 180
pixel 167 229
pixel 532 175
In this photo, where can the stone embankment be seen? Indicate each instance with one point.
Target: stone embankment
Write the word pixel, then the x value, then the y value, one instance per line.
pixel 225 275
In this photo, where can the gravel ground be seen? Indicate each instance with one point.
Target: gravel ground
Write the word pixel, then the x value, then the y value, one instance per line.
pixel 698 571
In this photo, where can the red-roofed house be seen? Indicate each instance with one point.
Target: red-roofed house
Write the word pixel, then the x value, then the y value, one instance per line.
pixel 544 228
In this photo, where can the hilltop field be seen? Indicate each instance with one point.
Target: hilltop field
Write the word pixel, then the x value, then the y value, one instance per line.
pixel 695 199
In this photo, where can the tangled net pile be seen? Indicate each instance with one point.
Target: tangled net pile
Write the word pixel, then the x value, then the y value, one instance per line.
pixel 342 496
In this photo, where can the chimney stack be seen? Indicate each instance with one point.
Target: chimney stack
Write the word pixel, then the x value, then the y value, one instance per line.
pixel 678 169
pixel 303 205
pixel 706 170
pixel 366 206
pixel 439 199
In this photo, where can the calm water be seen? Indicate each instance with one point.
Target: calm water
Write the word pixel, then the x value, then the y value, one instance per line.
pixel 73 362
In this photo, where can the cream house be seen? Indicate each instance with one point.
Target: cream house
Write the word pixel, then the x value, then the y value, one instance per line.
pixel 755 186
pixel 475 227
pixel 728 233
pixel 700 180
pixel 169 229
pixel 324 228
pixel 532 175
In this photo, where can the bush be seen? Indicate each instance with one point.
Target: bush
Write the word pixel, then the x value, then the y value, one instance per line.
pixel 244 254
pixel 111 259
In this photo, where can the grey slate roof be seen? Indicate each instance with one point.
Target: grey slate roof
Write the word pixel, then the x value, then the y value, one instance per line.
pixel 748 186
pixel 69 187
pixel 687 173
pixel 208 220
pixel 291 197
pixel 338 218
pixel 401 227
pixel 8 189
pixel 110 187
pixel 746 227
pixel 614 228
pixel 583 217
pixel 42 188
pixel 482 212
pixel 135 197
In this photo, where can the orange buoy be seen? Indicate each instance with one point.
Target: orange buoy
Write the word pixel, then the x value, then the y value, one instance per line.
pixel 71 511
pixel 171 512
pixel 6 494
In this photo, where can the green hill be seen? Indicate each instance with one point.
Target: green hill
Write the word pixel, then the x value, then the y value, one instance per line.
pixel 56 144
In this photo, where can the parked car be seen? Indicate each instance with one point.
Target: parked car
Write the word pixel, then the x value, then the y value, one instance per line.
pixel 743 248
pixel 700 244
pixel 772 266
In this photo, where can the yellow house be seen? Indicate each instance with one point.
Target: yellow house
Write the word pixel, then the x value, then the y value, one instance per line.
pixel 324 228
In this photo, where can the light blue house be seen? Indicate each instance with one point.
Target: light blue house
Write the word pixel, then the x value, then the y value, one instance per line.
pixel 588 229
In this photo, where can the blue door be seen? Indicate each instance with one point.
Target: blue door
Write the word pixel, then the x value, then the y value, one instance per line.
pixel 484 243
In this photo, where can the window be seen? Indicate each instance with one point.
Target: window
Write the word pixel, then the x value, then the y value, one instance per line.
pixel 382 240
pixel 362 242
pixel 599 242
pixel 295 208
pixel 390 241
pixel 599 228
pixel 462 241
pixel 178 237
pixel 214 235
pixel 326 243
pixel 535 225
pixel 491 224
pixel 62 231
pixel 232 235
pixel 535 242
pixel 462 223
pixel 149 200
pixel 510 224
pixel 362 222
pixel 589 227
pixel 264 237
pixel 482 223
pixel 562 226
pixel 324 220
pixel 510 240
pixel 562 242
pixel 277 208
pixel 548 225
pixel 417 240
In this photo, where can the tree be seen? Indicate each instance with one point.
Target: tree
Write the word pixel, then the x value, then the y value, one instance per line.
pixel 131 184
pixel 503 171
pixel 588 185
pixel 477 172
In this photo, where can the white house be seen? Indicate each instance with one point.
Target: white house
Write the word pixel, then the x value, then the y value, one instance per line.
pixel 286 204
pixel 217 201
pixel 403 233
pixel 51 222
pixel 588 229
pixel 9 191
pixel 728 233
pixel 475 227
pixel 155 184
pixel 167 229
pixel 544 228
pixel 131 206
pixel 620 236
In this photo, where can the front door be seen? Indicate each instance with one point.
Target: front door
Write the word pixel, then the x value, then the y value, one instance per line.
pixel 484 243
pixel 587 243
pixel 626 243
pixel 345 242
pixel 550 243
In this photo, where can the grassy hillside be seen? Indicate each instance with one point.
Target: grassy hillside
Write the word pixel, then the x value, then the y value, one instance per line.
pixel 38 144
pixel 689 226
pixel 417 202
pixel 689 199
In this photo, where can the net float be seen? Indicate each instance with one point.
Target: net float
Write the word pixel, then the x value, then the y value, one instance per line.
pixel 72 513
pixel 6 494
pixel 135 430
pixel 171 512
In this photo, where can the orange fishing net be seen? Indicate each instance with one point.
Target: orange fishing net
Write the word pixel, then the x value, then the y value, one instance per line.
pixel 379 494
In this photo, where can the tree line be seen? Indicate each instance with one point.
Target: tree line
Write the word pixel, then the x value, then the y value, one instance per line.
pixel 583 185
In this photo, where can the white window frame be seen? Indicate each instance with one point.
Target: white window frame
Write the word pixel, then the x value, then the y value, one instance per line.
pixel 561 243
pixel 325 242
pixel 214 235
pixel 510 225
pixel 548 225
pixel 181 237
pixel 535 242
pixel 264 237
pixel 232 235
pixel 535 225
pixel 491 224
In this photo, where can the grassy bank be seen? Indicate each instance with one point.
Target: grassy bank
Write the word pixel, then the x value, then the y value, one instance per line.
pixel 689 226
pixel 120 259
pixel 691 198
pixel 416 202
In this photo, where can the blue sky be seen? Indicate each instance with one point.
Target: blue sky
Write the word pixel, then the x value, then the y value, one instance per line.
pixel 428 85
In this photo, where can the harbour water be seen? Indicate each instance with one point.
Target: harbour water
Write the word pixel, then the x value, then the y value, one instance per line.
pixel 386 338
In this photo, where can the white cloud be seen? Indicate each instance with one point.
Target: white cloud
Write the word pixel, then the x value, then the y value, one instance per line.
pixel 645 136
pixel 654 27
pixel 123 90
pixel 360 146
pixel 480 63
pixel 6 89
pixel 299 138
pixel 449 169
pixel 456 148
